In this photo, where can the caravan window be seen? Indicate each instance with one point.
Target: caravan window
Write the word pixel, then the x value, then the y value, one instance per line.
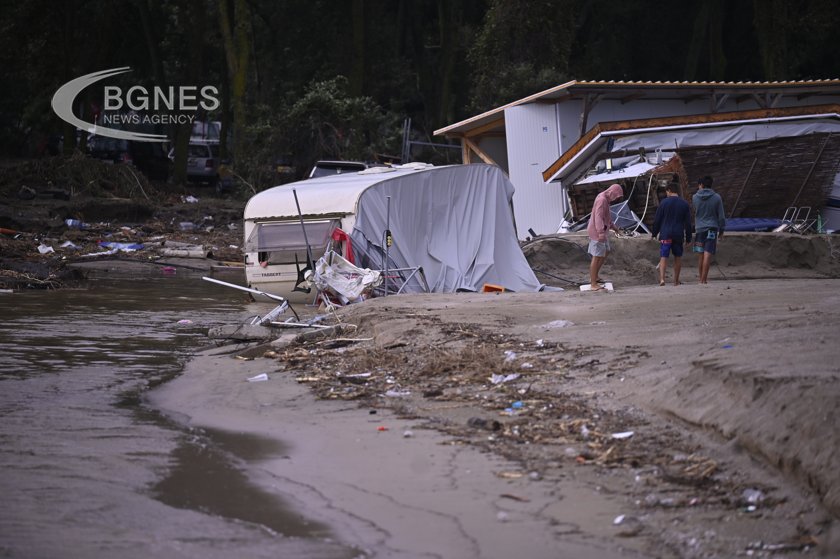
pixel 280 242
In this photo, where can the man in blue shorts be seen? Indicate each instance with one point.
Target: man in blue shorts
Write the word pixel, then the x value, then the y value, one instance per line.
pixel 673 225
pixel 709 222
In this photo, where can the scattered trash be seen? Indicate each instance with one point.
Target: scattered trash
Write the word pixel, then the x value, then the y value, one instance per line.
pixel 623 435
pixel 728 346
pixel 70 245
pixel 804 543
pixel 539 343
pixel 514 408
pixel 500 379
pixel 168 270
pixel 408 434
pixel 481 423
pixel 74 223
pixel 559 324
pixel 185 321
pixel 584 432
pixel 514 498
pixel 189 199
pixel 44 249
pixel 397 393
pixel 630 526
pixel 608 286
pixel 502 516
pixel 187 226
pixel 510 475
pixel 258 378
pixel 381 428
pixel 510 355
pixel 753 496
pixel 527 365
pixel 124 247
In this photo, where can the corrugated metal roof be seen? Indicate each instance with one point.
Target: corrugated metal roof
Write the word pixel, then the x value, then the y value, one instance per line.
pixel 635 126
pixel 651 90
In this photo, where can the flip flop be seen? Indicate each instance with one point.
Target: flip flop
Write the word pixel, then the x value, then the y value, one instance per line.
pixel 599 288
pixel 599 280
pixel 661 283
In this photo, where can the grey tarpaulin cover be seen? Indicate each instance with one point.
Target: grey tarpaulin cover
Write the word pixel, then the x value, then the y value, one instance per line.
pixel 455 222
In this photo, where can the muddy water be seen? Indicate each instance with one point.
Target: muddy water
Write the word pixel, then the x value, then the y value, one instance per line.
pixel 87 471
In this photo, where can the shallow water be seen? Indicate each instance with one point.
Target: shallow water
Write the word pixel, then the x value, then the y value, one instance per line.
pixel 89 472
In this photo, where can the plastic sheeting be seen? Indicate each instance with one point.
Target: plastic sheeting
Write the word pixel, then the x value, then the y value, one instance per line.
pixel 722 135
pixel 455 222
pixel 335 274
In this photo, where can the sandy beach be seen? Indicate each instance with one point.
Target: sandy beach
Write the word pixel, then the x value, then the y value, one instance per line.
pixel 687 421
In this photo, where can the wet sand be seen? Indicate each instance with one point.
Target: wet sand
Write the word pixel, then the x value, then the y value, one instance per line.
pixel 730 390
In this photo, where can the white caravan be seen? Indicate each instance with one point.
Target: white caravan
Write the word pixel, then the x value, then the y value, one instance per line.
pixel 453 222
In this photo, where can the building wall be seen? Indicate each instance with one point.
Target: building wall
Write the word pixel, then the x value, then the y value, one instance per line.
pixel 496 148
pixel 532 145
pixel 538 133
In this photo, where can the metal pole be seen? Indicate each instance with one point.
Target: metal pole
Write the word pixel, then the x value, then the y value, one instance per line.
pixel 387 242
pixel 254 291
pixel 311 262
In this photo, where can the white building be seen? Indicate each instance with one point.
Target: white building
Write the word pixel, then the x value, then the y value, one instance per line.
pixel 529 136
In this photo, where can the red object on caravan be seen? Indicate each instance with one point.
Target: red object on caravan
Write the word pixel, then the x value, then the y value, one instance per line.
pixel 340 236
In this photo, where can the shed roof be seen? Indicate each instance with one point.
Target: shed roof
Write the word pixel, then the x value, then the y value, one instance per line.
pixel 596 136
pixel 767 93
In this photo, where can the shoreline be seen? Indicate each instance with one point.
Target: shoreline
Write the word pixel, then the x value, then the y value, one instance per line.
pixel 745 405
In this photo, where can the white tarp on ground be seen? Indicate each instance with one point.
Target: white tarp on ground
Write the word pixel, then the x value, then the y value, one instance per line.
pixel 334 273
pixel 454 221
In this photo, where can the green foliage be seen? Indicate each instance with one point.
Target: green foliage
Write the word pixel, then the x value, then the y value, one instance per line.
pixel 433 61
pixel 326 122
pixel 523 47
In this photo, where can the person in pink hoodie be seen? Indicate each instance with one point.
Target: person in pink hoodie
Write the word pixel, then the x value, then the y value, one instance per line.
pixel 600 222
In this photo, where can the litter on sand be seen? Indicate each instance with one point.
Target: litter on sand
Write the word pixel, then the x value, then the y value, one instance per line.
pixel 607 286
pixel 258 378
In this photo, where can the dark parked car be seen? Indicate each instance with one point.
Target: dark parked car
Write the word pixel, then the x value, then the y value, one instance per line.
pixel 149 157
pixel 203 163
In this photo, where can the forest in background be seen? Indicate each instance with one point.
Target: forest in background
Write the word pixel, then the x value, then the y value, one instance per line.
pixel 302 80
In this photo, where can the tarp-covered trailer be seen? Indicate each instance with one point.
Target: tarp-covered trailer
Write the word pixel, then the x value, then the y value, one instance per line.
pixel 455 222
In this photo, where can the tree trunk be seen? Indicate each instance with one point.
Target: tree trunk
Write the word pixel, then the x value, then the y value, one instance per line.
pixel 234 21
pixel 357 71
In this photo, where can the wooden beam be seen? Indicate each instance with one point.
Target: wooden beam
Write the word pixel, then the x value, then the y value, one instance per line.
pixel 465 152
pixel 632 97
pixel 811 170
pixel 478 151
pixel 478 131
pixel 743 186
pixel 589 102
pixel 718 101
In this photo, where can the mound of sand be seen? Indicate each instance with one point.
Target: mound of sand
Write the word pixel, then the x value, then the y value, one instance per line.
pixel 561 260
